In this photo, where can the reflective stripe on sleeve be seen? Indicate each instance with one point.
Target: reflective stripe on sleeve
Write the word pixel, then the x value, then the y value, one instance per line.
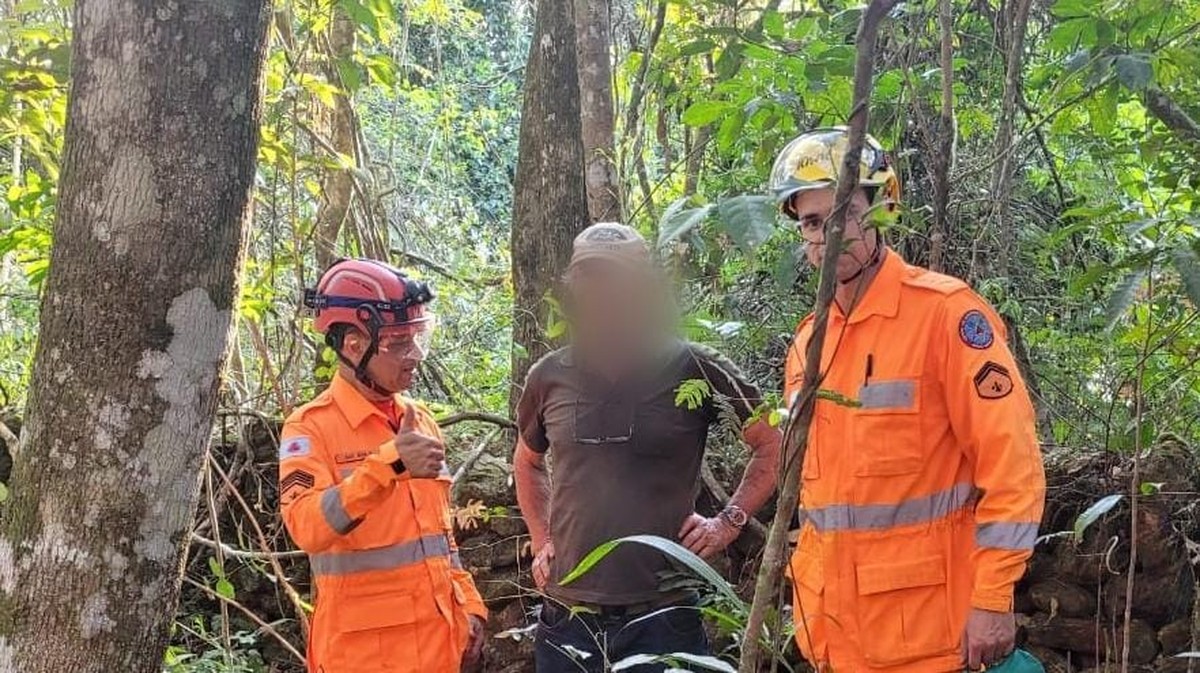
pixel 334 512
pixel 1005 535
pixel 383 558
pixel 881 517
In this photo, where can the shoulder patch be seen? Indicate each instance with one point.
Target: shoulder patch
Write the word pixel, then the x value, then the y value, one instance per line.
pixel 993 381
pixel 975 330
pixel 930 280
pixel 295 447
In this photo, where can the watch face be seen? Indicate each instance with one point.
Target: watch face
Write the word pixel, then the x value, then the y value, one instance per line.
pixel 736 516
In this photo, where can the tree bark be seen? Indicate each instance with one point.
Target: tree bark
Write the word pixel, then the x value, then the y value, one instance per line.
pixel 1174 117
pixel 1012 26
pixel 795 441
pixel 593 34
pixel 155 196
pixel 549 197
pixel 337 188
pixel 943 164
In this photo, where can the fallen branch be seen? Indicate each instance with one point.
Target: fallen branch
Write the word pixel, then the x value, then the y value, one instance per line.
pixel 795 443
pixel 473 458
pixel 481 416
pixel 267 628
pixel 719 493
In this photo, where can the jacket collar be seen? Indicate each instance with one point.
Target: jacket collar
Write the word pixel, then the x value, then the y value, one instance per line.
pixel 882 297
pixel 353 405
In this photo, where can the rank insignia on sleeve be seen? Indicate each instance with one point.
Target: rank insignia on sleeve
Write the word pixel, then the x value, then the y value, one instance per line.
pixel 295 447
pixel 295 480
pixel 975 330
pixel 993 381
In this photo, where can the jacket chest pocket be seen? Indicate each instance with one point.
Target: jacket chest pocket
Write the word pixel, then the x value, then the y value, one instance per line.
pixel 887 429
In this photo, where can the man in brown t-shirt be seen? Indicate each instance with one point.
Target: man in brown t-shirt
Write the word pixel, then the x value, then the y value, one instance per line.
pixel 627 460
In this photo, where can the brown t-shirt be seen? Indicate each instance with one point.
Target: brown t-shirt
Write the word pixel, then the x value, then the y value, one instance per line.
pixel 626 461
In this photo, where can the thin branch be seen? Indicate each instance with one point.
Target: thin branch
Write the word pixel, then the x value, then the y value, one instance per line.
pixel 267 628
pixel 800 419
pixel 481 416
pixel 234 552
pixel 1171 115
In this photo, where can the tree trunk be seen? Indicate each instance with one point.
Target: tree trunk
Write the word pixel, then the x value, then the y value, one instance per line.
pixel 594 52
pixel 337 188
pixel 155 197
pixel 549 198
pixel 943 163
pixel 1012 27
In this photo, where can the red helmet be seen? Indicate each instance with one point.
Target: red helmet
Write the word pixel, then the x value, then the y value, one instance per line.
pixel 369 295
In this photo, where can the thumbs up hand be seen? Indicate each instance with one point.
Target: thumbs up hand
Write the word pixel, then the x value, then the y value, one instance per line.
pixel 423 455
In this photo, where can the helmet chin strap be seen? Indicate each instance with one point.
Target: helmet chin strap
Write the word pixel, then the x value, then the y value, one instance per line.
pixel 873 261
pixel 360 370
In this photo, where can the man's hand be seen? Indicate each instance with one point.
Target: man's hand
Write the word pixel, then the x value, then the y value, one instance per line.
pixel 474 650
pixel 541 565
pixel 990 637
pixel 423 455
pixel 707 537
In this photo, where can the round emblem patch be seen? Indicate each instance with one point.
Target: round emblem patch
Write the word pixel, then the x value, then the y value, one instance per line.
pixel 975 330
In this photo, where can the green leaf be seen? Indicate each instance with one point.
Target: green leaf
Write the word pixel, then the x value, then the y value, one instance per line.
pixel 837 398
pixel 556 329
pixel 749 219
pixel 773 25
pixel 1071 8
pixel 1188 267
pixel 677 223
pixel 351 74
pixel 706 112
pixel 224 588
pixel 691 394
pixel 215 566
pixel 730 131
pixel 1133 70
pixel 3 492
pixel 697 47
pixel 1150 487
pixel 670 548
pixel 1122 298
pixel 361 15
pixel 1093 513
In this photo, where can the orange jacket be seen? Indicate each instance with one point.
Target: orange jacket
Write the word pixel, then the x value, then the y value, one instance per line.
pixel 921 497
pixel 391 593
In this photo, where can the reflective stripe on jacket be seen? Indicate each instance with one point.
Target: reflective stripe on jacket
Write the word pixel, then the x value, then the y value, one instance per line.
pixel 391 593
pixel 922 485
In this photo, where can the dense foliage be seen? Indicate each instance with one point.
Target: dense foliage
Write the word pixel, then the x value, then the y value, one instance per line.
pixel 1091 251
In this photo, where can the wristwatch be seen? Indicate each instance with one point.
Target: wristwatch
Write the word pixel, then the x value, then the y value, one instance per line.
pixel 735 516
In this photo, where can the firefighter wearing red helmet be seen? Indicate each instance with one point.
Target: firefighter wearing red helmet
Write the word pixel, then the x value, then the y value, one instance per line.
pixel 364 489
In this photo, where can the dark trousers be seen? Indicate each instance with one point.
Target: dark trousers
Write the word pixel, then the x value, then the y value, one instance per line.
pixel 584 642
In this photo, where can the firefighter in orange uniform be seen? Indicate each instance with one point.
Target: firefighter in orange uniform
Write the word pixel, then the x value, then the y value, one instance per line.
pixel 366 493
pixel 920 500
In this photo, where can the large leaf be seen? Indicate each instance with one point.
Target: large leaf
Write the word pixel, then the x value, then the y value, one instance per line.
pixel 670 548
pixel 1133 70
pixel 706 112
pixel 1093 513
pixel 748 219
pixel 676 223
pixel 703 662
pixel 1122 298
pixel 1188 267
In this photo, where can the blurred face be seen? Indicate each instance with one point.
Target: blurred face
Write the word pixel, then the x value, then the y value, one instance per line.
pixel 610 301
pixel 812 208
pixel 395 361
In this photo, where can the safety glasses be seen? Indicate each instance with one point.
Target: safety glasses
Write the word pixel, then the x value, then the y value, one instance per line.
pixel 410 342
pixel 602 422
